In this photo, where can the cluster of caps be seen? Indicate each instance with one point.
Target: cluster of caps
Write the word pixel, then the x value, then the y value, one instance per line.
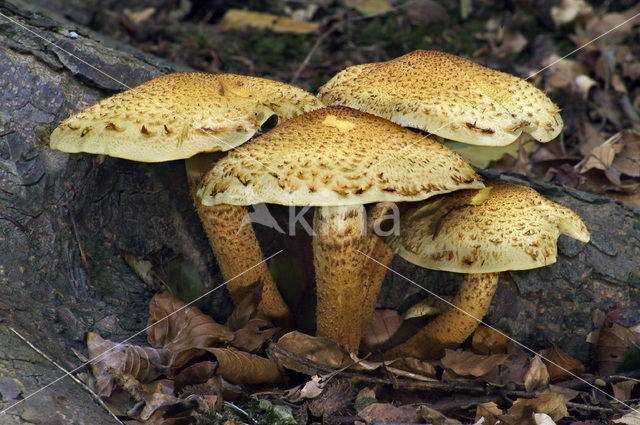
pixel 351 145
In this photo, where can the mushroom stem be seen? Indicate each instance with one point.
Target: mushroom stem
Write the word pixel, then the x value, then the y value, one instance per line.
pixel 236 249
pixel 338 236
pixel 373 272
pixel 455 324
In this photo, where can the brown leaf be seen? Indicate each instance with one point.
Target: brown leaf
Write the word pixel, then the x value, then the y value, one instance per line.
pixel 537 376
pixel 560 365
pixel 522 411
pixel 425 12
pixel 236 19
pixel 622 390
pixel 467 363
pixel 239 367
pixel 489 411
pixel 614 342
pixel 182 329
pixel 421 367
pixel 386 412
pixel 197 373
pixel 384 324
pixel 487 340
pixel 143 363
pixel 570 10
pixel 316 349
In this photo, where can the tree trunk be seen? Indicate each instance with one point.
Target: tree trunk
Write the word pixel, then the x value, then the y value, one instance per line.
pixel 65 220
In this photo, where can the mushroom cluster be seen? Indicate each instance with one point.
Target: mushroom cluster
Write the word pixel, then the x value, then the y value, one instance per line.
pixel 349 154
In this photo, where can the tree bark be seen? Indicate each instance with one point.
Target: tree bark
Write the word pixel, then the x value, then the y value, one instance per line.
pixel 65 219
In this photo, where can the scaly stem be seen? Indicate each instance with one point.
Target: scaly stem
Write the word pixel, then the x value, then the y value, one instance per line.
pixel 338 236
pixel 455 324
pixel 237 251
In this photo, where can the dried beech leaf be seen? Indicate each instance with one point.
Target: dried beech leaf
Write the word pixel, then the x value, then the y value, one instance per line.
pixel 253 336
pixel 320 350
pixel 384 323
pixel 236 19
pixel 196 373
pixel 143 363
pixel 487 340
pixel 386 412
pixel 537 376
pixel 421 367
pixel 467 363
pixel 560 365
pixel 567 393
pixel 522 411
pixel 614 342
pixel 239 367
pixel 489 412
pixel 622 390
pixel 183 331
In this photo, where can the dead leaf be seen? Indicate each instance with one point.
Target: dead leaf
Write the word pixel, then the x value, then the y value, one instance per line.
pixel 632 418
pixel 239 367
pixel 563 73
pixel 467 363
pixel 365 397
pixel 320 350
pixel 368 7
pixel 487 340
pixel 386 412
pixel 560 365
pixel 522 411
pixel 570 10
pixel 543 419
pixel 425 12
pixel 421 367
pixel 384 324
pixel 337 396
pixel 622 390
pixel 182 329
pixel 537 376
pixel 489 412
pixel 236 19
pixel 143 363
pixel 567 393
pixel 614 342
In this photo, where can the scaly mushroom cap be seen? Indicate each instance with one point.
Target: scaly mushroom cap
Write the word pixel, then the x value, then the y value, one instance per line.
pixel 179 115
pixel 448 96
pixel 336 156
pixel 513 229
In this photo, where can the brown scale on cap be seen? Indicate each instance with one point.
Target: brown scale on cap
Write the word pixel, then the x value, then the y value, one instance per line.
pixel 336 156
pixel 339 159
pixel 449 96
pixel 179 115
pixel 502 227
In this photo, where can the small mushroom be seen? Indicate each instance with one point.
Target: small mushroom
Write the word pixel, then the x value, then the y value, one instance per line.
pixel 337 159
pixel 448 96
pixel 188 116
pixel 514 228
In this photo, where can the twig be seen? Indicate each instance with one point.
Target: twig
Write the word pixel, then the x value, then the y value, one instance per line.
pixel 76 232
pixel 14 222
pixel 578 383
pixel 6 133
pixel 95 396
pixel 400 383
pixel 579 406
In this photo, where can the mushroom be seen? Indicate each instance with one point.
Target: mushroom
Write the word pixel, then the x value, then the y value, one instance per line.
pixel 448 96
pixel 188 116
pixel 337 159
pixel 480 233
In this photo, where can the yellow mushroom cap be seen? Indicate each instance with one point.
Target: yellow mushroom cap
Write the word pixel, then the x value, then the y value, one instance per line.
pixel 448 96
pixel 513 229
pixel 336 156
pixel 179 115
